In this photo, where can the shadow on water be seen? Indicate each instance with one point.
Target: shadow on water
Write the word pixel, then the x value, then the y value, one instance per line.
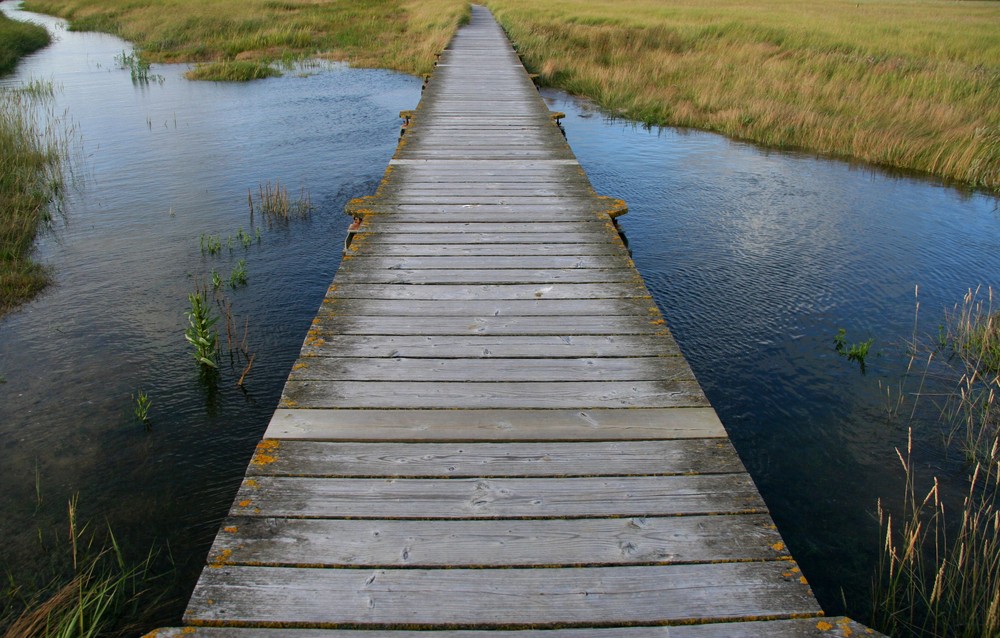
pixel 756 257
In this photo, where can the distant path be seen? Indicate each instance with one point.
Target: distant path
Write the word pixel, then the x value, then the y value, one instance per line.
pixel 490 432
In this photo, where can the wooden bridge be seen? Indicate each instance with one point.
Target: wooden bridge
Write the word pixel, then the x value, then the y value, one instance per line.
pixel 490 432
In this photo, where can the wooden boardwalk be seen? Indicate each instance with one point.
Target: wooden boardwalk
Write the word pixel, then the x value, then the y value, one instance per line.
pixel 490 432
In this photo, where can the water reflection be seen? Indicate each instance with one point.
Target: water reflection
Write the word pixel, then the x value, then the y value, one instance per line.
pixel 757 258
pixel 163 164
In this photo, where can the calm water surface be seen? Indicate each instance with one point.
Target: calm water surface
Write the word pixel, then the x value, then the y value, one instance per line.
pixel 756 257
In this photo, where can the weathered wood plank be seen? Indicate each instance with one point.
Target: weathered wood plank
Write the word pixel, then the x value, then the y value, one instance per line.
pixel 552 308
pixel 576 237
pixel 836 627
pixel 496 347
pixel 494 425
pixel 386 225
pixel 511 249
pixel 347 324
pixel 488 291
pixel 497 497
pixel 661 393
pixel 338 368
pixel 508 597
pixel 469 460
pixel 489 543
pixel 431 276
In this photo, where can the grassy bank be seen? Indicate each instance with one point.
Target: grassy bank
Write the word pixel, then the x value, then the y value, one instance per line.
pixel 18 39
pixel 396 34
pixel 30 188
pixel 911 84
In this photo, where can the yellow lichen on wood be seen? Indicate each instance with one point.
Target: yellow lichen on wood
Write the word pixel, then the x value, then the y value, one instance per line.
pixel 266 453
pixel 220 559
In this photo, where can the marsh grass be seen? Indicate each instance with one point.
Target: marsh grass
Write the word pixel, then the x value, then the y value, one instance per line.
pixel 33 142
pixel 275 206
pixel 939 571
pixel 912 84
pixel 138 68
pixel 93 596
pixel 18 39
pixel 240 39
pixel 233 71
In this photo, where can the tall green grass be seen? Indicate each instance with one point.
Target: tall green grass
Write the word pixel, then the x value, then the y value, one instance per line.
pixel 238 39
pixel 912 84
pixel 18 39
pixel 31 184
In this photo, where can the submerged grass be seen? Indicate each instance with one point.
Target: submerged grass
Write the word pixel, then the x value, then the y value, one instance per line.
pixel 96 593
pixel 912 84
pixel 240 38
pixel 31 185
pixel 18 39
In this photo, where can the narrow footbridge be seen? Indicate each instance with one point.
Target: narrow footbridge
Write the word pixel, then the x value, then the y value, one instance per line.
pixel 490 432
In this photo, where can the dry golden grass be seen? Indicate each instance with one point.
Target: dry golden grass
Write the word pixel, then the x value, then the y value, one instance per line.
pixel 396 34
pixel 911 84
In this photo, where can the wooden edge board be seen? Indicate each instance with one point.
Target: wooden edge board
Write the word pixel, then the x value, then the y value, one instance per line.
pixel 835 627
pixel 531 598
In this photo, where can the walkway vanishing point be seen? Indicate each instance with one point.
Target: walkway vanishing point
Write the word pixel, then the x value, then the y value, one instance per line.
pixel 490 432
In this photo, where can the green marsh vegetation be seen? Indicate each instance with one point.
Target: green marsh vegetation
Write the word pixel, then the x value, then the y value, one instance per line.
pixel 939 571
pixel 242 39
pixel 92 589
pixel 33 142
pixel 18 39
pixel 913 84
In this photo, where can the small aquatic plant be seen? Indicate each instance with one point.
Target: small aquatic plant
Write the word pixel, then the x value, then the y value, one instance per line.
pixel 216 280
pixel 244 238
pixel 857 352
pixel 210 244
pixel 201 333
pixel 140 406
pixel 238 276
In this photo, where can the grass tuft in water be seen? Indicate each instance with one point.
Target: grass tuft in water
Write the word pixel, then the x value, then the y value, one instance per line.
pixel 233 71
pixel 275 205
pixel 238 276
pixel 138 68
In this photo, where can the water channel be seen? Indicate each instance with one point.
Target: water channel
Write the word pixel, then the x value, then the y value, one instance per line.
pixel 757 258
